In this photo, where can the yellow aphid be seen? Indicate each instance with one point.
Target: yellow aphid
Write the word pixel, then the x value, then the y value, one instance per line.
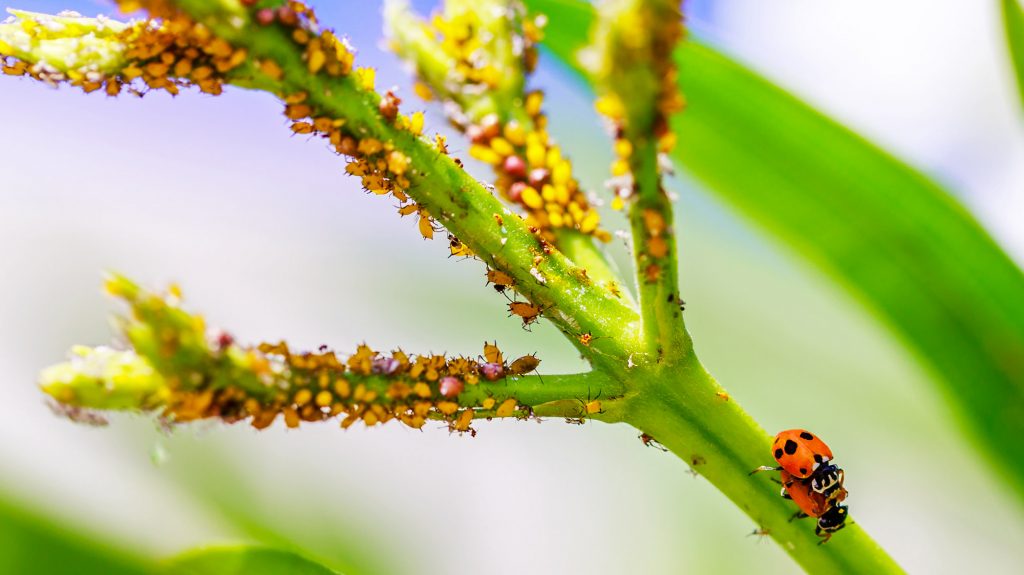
pixel 370 146
pixel 515 133
pixel 416 123
pixel 593 406
pixel 590 221
pixel 302 128
pixel 423 91
pixel 502 147
pixel 623 148
pixel 441 143
pixel 296 98
pixel 610 106
pixel 397 162
pixel 183 68
pixel 507 408
pixel 667 142
pixel 365 78
pixel 342 388
pixel 297 111
pixel 492 354
pixel 316 62
pixel 447 407
pixel 157 69
pixel 426 226
pixel 291 417
pixel 485 154
pixel 534 101
pixel 324 398
pixel 302 397
pixel 463 421
pixel 422 389
pixel 531 198
pixel 620 167
pixel 618 203
pixel 408 209
pixel 488 403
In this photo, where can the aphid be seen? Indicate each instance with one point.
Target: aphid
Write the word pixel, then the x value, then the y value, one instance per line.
pixel 523 365
pixel 586 338
pixel 457 248
pixel 492 371
pixel 527 311
pixel 389 105
pixel 500 279
pixel 450 386
pixel 492 354
pixel 649 441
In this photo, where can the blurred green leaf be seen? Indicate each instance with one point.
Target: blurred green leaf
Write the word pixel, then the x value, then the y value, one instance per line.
pixel 893 237
pixel 243 561
pixel 29 544
pixel 1013 20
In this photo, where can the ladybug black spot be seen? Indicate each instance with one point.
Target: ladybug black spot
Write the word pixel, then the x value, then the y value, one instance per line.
pixel 803 471
pixel 817 458
pixel 790 447
pixel 778 454
pixel 805 435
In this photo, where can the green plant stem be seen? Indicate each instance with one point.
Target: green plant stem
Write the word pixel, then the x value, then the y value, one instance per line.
pixel 680 408
pixel 433 66
pixel 448 192
pixel 636 39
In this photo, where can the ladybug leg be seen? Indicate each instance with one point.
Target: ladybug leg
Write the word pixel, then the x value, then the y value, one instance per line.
pixel 765 468
pixel 798 515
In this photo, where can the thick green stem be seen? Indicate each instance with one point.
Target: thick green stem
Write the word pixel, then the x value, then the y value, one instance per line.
pixel 686 410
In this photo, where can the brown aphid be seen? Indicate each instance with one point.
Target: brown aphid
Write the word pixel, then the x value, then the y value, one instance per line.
pixel 649 441
pixel 527 311
pixel 389 105
pixel 524 365
pixel 499 220
pixel 500 279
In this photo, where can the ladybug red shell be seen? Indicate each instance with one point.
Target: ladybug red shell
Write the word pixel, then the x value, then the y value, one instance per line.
pixel 800 452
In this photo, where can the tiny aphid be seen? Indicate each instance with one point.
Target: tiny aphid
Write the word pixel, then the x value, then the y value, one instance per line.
pixel 649 441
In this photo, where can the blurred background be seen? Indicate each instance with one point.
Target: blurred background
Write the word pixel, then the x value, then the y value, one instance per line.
pixel 270 240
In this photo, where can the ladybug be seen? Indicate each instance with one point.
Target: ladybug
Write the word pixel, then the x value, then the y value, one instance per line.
pixel 800 452
pixel 829 511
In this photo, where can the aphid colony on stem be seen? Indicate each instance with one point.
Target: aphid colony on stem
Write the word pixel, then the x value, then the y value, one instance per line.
pixel 810 479
pixel 530 168
pixel 188 373
pixel 169 54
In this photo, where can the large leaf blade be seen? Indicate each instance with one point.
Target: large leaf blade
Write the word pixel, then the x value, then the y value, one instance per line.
pixel 889 234
pixel 1013 23
pixel 31 544
pixel 243 560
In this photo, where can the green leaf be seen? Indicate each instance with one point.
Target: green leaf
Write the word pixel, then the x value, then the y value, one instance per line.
pixel 30 544
pixel 243 560
pixel 893 237
pixel 1013 21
